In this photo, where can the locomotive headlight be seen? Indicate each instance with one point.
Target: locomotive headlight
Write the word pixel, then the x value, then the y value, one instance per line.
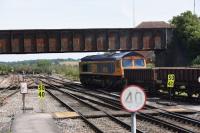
pixel 199 79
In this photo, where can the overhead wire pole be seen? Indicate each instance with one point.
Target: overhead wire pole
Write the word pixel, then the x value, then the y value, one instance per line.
pixel 194 6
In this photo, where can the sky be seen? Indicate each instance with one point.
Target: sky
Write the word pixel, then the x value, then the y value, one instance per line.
pixel 64 14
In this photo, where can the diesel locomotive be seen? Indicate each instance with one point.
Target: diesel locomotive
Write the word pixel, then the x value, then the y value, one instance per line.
pixel 107 70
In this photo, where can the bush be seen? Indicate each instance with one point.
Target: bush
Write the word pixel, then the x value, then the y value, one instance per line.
pixel 69 71
pixel 150 65
pixel 196 61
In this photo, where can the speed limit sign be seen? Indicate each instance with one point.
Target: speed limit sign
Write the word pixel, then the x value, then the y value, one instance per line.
pixel 133 99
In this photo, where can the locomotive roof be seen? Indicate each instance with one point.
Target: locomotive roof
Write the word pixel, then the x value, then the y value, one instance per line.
pixel 110 56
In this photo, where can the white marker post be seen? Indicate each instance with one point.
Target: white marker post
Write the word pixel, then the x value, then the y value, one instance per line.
pixel 133 99
pixel 24 91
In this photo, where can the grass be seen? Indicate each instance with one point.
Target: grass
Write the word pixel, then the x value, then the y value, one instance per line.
pixel 69 70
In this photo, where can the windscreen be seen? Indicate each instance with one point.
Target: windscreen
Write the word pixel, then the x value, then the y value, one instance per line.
pixel 127 63
pixel 139 62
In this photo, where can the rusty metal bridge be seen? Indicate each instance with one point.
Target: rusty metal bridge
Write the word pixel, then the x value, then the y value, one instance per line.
pixel 83 40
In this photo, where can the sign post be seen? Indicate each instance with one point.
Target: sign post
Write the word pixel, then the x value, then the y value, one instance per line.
pixel 41 94
pixel 133 122
pixel 24 91
pixel 133 99
pixel 170 84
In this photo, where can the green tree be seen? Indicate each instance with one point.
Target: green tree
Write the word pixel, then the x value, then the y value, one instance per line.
pixel 44 66
pixel 5 69
pixel 187 33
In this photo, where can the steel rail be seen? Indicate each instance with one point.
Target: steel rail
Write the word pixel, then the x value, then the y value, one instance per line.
pixel 97 108
pixel 80 114
pixel 164 123
pixel 9 95
pixel 158 121
pixel 151 118
pixel 180 117
pixel 167 113
pixel 172 115
pixel 128 127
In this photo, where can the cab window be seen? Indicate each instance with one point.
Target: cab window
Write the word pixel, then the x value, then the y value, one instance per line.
pixel 86 68
pixel 139 62
pixel 127 63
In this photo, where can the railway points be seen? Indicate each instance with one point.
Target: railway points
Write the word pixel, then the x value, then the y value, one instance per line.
pixel 73 106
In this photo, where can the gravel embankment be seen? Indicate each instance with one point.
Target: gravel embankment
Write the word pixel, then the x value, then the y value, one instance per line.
pixel 73 126
pixel 14 104
pixel 146 126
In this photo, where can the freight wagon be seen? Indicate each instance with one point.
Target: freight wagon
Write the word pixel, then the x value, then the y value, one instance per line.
pixel 186 79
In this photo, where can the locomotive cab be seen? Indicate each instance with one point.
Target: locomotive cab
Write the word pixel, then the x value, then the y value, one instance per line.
pixel 133 63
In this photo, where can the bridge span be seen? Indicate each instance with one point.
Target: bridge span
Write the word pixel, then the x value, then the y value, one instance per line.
pixel 83 40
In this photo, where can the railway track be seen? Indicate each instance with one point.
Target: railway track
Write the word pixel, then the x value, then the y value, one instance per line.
pixel 177 98
pixel 8 92
pixel 13 88
pixel 97 126
pixel 185 121
pixel 112 100
pixel 162 120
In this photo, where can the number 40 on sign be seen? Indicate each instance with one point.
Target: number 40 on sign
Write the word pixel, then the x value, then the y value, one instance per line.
pixel 41 90
pixel 133 98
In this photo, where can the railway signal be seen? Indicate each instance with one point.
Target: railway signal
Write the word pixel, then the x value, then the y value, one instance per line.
pixel 133 99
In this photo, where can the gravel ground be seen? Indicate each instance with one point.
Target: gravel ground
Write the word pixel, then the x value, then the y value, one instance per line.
pixel 72 102
pixel 108 125
pixel 104 95
pixel 194 116
pixel 14 104
pixel 181 124
pixel 103 123
pixel 61 78
pixel 5 81
pixel 146 126
pixel 6 93
pixel 73 126
pixel 90 97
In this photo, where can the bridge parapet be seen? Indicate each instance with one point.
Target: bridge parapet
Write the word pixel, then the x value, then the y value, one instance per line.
pixel 83 40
